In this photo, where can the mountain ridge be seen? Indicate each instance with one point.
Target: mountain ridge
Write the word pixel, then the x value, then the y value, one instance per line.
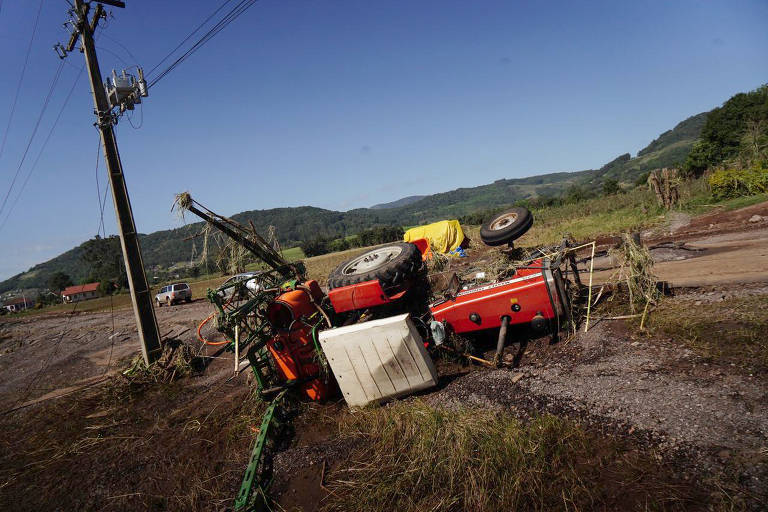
pixel 165 248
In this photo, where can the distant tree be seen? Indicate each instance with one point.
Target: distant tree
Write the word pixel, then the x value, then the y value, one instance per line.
pixel 108 287
pixel 642 180
pixel 104 257
pixel 611 187
pixel 381 235
pixel 576 193
pixel 340 244
pixel 315 247
pixel 722 137
pixel 46 299
pixel 58 281
pixel 701 157
pixel 753 150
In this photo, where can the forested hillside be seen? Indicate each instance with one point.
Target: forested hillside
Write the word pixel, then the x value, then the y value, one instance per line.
pixel 295 225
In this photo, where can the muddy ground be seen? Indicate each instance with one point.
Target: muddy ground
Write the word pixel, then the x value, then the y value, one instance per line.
pixel 77 437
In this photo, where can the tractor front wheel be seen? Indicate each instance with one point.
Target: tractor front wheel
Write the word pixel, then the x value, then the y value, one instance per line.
pixel 390 264
pixel 507 226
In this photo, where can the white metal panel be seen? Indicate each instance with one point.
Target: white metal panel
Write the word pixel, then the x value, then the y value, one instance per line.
pixel 379 359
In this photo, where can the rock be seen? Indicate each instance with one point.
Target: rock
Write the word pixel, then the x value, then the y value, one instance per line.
pixel 755 218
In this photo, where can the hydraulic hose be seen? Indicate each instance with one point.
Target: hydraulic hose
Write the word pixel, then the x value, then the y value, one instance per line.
pixel 207 342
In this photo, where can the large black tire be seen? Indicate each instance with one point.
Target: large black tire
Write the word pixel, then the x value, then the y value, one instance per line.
pixel 506 226
pixel 391 265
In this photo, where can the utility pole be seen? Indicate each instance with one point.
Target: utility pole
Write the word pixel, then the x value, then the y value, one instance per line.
pixel 106 119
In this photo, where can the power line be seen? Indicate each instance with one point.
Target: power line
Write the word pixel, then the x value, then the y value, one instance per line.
pixel 102 201
pixel 34 132
pixel 114 54
pixel 141 118
pixel 232 15
pixel 42 148
pixel 188 37
pixel 21 78
pixel 98 187
pixel 121 45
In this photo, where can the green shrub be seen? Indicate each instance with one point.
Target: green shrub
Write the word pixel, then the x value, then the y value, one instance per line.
pixel 340 244
pixel 729 183
pixel 315 247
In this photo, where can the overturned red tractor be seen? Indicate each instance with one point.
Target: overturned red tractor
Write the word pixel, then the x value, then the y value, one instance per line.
pixel 282 319
pixel 371 336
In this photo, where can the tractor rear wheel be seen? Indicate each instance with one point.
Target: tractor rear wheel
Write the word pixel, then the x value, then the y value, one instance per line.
pixel 506 226
pixel 391 265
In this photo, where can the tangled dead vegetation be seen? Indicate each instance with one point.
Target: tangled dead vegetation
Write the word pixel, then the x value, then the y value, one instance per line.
pixel 636 271
pixel 665 184
pixel 177 361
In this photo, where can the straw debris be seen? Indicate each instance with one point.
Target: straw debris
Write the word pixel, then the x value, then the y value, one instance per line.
pixel 636 271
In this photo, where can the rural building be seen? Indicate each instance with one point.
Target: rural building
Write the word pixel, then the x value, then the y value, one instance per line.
pixel 80 292
pixel 18 304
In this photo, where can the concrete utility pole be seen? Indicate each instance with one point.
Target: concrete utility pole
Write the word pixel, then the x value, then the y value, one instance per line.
pixel 134 265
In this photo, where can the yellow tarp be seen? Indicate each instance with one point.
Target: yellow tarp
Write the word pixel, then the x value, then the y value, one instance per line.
pixel 444 236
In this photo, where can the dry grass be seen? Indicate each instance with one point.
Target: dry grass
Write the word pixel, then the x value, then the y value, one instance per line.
pixel 319 267
pixel 413 457
pixel 734 331
pixel 611 215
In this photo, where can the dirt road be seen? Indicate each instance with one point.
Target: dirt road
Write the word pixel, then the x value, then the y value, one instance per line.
pixel 721 259
pixel 45 354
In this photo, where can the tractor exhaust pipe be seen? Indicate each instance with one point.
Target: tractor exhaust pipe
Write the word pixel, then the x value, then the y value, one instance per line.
pixel 502 341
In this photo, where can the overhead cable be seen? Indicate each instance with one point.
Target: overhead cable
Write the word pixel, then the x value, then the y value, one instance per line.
pixel 232 15
pixel 47 100
pixel 189 36
pixel 21 79
pixel 42 148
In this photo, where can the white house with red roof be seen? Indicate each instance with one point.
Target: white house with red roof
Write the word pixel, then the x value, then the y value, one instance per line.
pixel 80 292
pixel 18 304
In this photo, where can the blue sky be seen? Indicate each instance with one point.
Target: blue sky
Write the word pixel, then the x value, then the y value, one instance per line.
pixel 345 104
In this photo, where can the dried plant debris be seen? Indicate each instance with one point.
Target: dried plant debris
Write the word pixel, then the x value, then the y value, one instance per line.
pixel 636 271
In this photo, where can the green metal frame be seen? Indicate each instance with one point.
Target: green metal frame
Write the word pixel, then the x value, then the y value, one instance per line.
pixel 253 491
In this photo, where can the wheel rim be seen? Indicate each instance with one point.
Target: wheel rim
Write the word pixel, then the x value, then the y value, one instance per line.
pixel 371 260
pixel 503 221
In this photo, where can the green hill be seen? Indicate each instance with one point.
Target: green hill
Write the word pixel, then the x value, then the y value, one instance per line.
pixel 400 202
pixel 293 225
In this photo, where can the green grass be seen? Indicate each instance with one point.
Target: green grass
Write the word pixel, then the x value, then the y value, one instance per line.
pixel 705 204
pixel 413 457
pixel 293 254
pixel 734 331
pixel 636 209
